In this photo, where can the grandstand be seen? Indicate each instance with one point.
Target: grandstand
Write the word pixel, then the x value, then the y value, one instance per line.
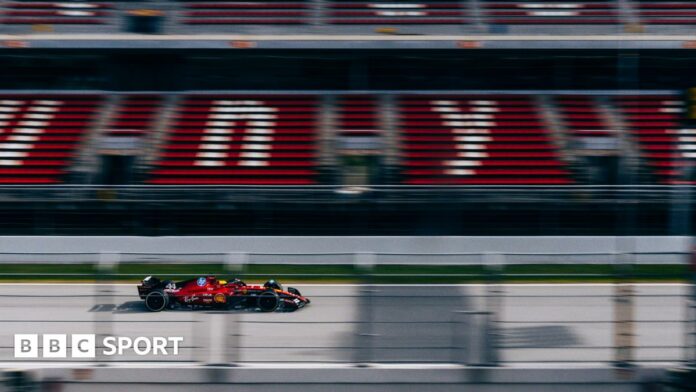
pixel 340 16
pixel 240 140
pixel 440 139
pixel 339 116
pixel 41 134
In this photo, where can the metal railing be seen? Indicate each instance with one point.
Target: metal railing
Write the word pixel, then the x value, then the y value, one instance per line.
pixel 586 194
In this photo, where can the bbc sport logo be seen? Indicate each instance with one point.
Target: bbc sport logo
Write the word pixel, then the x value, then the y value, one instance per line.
pixel 84 345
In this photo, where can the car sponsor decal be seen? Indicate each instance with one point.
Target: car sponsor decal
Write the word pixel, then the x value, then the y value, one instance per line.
pixel 220 298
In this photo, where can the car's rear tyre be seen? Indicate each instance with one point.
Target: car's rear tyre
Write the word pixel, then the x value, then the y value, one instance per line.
pixel 268 301
pixel 156 301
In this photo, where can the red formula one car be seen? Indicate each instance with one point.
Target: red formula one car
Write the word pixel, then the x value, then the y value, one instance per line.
pixel 210 292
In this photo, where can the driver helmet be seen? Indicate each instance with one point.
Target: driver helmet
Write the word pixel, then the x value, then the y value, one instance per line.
pixel 272 284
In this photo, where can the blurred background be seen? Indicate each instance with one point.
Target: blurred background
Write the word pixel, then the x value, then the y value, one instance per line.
pixel 484 194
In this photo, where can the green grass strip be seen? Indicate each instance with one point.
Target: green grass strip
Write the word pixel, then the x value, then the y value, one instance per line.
pixel 557 273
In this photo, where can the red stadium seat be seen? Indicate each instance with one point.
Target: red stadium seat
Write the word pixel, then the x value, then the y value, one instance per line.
pixel 395 12
pixel 582 117
pixel 666 12
pixel 235 13
pixel 655 125
pixel 134 115
pixel 240 140
pixel 39 135
pixel 68 13
pixel 477 140
pixel 358 116
pixel 557 12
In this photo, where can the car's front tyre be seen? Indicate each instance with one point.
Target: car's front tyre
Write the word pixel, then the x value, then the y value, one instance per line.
pixel 268 301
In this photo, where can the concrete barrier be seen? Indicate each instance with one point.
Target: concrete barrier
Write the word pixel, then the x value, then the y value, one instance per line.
pixel 342 250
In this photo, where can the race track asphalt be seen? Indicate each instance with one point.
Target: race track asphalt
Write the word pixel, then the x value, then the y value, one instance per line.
pixel 352 323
